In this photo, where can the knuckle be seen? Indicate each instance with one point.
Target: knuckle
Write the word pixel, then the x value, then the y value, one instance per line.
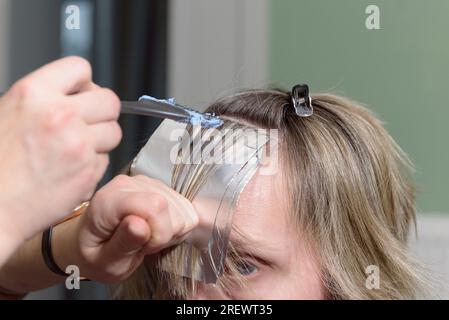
pixel 77 148
pixel 158 203
pixel 161 185
pixel 55 119
pixel 142 177
pixel 121 180
pixel 157 183
pixel 23 89
pixel 80 64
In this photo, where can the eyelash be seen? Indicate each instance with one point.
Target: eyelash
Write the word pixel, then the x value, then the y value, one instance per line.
pixel 242 265
pixel 246 268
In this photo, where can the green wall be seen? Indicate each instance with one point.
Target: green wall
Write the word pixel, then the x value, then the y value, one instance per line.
pixel 400 71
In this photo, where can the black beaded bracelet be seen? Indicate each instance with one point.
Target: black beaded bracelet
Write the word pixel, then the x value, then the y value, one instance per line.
pixel 47 253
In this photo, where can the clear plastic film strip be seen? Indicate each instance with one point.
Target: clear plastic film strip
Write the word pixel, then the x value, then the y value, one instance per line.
pixel 211 167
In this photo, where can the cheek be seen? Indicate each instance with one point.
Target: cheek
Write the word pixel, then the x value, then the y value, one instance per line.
pixel 208 292
pixel 302 285
pixel 308 284
pixel 305 275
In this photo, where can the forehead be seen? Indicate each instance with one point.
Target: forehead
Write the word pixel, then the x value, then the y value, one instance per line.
pixel 262 210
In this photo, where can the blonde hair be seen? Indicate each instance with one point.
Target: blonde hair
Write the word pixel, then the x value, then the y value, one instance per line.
pixel 349 191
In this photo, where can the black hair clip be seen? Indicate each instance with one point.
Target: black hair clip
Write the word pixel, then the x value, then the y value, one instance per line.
pixel 302 102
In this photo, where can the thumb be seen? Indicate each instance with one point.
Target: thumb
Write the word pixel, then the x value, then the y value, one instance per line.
pixel 121 253
pixel 130 236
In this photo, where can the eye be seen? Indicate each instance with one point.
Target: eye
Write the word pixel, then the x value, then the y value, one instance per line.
pixel 246 268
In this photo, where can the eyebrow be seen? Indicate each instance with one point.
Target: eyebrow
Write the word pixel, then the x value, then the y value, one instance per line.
pixel 257 248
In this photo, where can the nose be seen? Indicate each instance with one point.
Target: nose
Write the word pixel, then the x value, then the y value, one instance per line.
pixel 209 292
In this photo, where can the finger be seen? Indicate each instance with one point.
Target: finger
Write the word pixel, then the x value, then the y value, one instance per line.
pixel 98 105
pixel 106 136
pixel 176 200
pixel 92 86
pixel 88 86
pixel 181 209
pixel 121 254
pixel 111 205
pixel 185 209
pixel 129 238
pixel 154 209
pixel 118 203
pixel 120 199
pixel 168 229
pixel 68 75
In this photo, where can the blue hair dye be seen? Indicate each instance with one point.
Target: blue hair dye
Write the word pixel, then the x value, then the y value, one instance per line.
pixel 196 118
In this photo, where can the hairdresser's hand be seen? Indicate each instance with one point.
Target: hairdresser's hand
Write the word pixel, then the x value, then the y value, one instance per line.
pixel 129 218
pixel 56 128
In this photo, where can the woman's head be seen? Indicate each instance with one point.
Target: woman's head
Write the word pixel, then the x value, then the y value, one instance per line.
pixel 340 203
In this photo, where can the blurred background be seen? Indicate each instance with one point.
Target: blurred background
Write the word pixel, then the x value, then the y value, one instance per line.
pixel 394 60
